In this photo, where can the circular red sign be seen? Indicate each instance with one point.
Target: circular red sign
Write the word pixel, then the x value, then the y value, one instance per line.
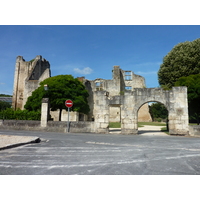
pixel 69 103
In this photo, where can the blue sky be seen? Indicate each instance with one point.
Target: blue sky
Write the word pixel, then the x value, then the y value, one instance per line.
pixel 91 51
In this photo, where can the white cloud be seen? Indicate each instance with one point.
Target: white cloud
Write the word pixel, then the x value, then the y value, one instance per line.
pixel 86 70
pixel 2 83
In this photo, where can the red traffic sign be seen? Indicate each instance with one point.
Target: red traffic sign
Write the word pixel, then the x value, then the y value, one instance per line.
pixel 69 103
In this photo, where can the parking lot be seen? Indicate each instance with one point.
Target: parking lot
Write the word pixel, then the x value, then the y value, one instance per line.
pixel 102 154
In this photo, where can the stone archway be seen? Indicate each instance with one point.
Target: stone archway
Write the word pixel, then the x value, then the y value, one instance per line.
pixel 175 101
pixel 162 117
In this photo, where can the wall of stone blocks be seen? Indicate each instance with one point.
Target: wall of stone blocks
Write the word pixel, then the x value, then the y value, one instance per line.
pixel 194 130
pixel 175 101
pixel 116 87
pixel 28 75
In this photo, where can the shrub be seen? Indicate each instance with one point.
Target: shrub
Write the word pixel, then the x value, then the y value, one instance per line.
pixel 9 113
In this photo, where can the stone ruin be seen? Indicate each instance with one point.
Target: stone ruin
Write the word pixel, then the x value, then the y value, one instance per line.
pixel 175 101
pixel 124 98
pixel 29 74
pixel 27 77
pixel 121 82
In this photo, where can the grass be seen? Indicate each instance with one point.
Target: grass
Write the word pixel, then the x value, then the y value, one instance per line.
pixel 164 129
pixel 193 124
pixel 140 124
pixel 114 125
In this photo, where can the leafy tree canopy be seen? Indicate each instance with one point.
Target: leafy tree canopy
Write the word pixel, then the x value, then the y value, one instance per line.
pixel 158 110
pixel 193 84
pixel 182 60
pixel 60 88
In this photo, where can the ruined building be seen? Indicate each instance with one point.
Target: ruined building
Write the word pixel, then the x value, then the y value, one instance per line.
pixel 28 75
pixel 121 81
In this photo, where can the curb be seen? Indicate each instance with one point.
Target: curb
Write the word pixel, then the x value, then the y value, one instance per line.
pixel 16 144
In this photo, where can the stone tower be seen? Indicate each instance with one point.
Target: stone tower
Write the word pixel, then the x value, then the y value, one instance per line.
pixel 28 75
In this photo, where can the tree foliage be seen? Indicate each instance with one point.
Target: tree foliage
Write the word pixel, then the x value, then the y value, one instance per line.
pixel 193 84
pixel 4 105
pixel 60 88
pixel 182 60
pixel 158 111
pixel 5 95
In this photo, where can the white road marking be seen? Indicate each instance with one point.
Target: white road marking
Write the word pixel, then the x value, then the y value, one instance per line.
pixel 94 164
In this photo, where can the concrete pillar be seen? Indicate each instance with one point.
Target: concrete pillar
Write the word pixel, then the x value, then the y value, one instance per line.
pixel 44 112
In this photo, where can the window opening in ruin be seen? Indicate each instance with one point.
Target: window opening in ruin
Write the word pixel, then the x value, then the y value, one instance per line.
pixel 128 76
pixel 99 86
pixel 128 88
pixel 115 119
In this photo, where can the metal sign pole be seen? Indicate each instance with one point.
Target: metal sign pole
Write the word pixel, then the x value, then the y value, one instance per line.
pixel 68 104
pixel 68 121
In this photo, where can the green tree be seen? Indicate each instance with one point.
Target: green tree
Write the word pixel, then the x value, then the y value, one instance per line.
pixel 4 105
pixel 158 110
pixel 193 84
pixel 5 95
pixel 182 60
pixel 61 88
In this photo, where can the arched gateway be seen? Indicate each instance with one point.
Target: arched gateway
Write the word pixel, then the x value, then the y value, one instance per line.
pixel 175 101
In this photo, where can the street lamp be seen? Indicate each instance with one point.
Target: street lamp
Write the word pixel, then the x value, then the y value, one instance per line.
pixel 46 87
pixel 45 115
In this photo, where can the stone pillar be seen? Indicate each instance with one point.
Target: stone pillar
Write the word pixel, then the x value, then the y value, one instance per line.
pixel 101 112
pixel 44 112
pixel 178 112
pixel 128 115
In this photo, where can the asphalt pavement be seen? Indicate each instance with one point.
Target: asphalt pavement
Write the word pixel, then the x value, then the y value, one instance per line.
pixel 101 154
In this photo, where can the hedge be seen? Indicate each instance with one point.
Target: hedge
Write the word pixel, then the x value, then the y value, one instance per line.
pixel 9 113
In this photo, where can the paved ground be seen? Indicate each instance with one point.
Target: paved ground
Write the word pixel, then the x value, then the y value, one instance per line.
pixel 10 141
pixel 145 130
pixel 151 130
pixel 98 154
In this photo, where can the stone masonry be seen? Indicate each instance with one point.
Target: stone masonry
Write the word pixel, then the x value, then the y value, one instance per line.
pixel 175 101
pixel 121 82
pixel 120 99
pixel 27 77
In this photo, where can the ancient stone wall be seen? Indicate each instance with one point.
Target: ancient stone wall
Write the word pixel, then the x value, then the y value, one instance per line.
pixel 143 114
pixel 121 82
pixel 115 113
pixel 27 77
pixel 73 116
pixel 175 101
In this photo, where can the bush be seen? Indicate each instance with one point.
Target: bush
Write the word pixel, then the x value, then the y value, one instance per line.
pixel 9 113
pixel 4 105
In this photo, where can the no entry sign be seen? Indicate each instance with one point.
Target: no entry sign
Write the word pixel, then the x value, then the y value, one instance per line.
pixel 69 103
